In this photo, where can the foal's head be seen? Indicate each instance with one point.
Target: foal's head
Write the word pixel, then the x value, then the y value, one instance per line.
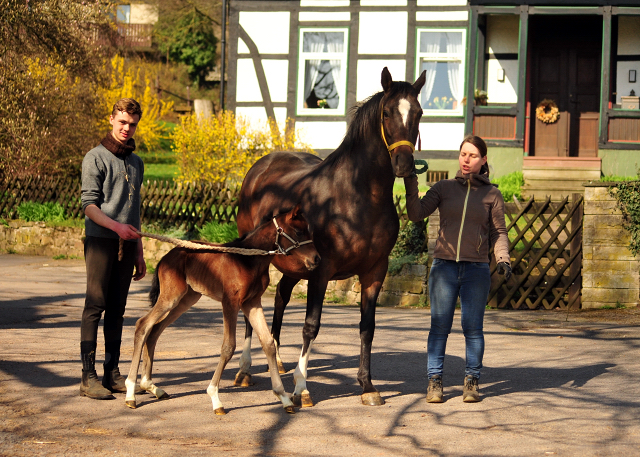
pixel 294 229
pixel 400 117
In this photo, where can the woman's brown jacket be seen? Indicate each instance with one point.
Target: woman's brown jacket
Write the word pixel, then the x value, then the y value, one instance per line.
pixel 471 214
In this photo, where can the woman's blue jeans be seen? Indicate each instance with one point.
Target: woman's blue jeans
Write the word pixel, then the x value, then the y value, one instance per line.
pixel 449 280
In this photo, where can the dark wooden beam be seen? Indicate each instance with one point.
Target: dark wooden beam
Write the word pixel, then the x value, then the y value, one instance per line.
pixel 605 79
pixel 523 39
pixel 472 53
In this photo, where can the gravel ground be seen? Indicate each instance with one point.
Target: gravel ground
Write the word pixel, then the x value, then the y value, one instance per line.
pixel 554 383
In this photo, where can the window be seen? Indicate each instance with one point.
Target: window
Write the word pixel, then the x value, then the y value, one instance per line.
pixel 123 13
pixel 441 54
pixel 322 71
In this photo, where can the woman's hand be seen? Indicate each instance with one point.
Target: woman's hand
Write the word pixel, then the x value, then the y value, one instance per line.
pixel 504 269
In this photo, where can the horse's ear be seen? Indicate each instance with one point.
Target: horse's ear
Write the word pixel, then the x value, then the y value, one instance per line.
pixel 296 212
pixel 386 79
pixel 420 81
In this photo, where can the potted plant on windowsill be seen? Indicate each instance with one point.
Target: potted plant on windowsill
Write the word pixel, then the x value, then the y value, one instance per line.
pixel 480 97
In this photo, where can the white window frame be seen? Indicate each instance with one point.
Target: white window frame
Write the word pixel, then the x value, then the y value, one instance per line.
pixel 341 85
pixel 444 57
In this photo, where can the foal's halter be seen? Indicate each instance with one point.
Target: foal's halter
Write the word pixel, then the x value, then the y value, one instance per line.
pixel 397 143
pixel 295 244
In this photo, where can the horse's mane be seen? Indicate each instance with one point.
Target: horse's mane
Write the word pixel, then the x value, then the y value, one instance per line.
pixel 365 117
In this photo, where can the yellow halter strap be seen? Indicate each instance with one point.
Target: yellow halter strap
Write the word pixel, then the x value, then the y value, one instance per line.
pixel 397 143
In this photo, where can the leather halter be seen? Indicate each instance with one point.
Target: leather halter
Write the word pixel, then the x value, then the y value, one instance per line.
pixel 295 244
pixel 397 143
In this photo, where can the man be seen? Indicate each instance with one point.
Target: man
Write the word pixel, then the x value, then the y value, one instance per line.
pixel 111 180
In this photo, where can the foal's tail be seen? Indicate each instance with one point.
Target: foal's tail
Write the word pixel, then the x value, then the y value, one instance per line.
pixel 154 293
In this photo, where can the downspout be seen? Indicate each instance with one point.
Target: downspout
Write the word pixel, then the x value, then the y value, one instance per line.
pixel 223 45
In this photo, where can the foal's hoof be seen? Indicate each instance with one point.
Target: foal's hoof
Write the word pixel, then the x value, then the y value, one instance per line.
pixel 289 409
pixel 163 396
pixel 372 399
pixel 243 380
pixel 220 411
pixel 281 368
pixel 304 400
pixel 130 403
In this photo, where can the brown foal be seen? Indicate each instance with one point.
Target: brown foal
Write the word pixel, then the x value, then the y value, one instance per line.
pixel 237 281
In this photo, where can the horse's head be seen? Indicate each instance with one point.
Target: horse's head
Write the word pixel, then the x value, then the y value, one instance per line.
pixel 400 120
pixel 294 238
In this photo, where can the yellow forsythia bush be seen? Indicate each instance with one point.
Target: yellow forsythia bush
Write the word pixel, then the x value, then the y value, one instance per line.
pixel 222 148
pixel 134 80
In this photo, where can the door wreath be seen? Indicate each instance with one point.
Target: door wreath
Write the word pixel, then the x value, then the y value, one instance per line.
pixel 547 111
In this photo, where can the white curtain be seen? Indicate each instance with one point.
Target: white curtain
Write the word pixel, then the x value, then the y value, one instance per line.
pixel 454 46
pixel 429 43
pixel 314 65
pixel 336 63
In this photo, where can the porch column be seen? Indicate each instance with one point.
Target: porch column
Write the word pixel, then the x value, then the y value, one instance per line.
pixel 523 39
pixel 472 52
pixel 606 75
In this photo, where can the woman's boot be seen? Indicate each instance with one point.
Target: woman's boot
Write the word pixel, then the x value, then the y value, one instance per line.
pixel 90 385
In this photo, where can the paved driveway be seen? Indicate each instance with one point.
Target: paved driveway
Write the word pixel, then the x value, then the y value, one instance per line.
pixel 552 385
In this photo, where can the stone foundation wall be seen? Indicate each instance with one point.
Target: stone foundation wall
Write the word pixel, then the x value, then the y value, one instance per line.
pixel 610 274
pixel 35 238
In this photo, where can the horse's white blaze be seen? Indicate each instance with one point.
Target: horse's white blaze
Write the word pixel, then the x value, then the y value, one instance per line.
pixel 300 374
pixel 245 358
pixel 215 399
pixel 404 107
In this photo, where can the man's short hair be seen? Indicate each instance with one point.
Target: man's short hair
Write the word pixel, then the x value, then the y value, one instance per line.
pixel 128 105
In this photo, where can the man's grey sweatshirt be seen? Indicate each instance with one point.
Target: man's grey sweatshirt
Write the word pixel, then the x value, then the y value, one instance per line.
pixel 113 184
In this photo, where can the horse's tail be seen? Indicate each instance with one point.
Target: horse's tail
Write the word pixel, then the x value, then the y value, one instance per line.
pixel 154 293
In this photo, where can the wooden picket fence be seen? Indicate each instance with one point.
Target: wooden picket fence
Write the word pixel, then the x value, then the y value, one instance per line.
pixel 546 256
pixel 163 202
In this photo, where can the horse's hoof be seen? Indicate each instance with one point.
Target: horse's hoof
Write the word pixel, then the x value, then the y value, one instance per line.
pixel 372 399
pixel 243 380
pixel 289 409
pixel 281 368
pixel 130 403
pixel 163 396
pixel 304 400
pixel 220 411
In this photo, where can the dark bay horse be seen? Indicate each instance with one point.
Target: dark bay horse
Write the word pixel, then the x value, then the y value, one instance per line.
pixel 237 281
pixel 348 201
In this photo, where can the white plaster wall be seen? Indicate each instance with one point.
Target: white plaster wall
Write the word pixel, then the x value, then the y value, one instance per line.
pixel 441 136
pixel 628 43
pixel 257 116
pixel 507 90
pixel 370 74
pixel 502 34
pixel 322 135
pixel 268 30
pixel 628 35
pixel 383 2
pixel 248 89
pixel 431 16
pixel 502 38
pixel 375 36
pixel 324 2
pixel 442 2
pixel 316 16
pixel 143 14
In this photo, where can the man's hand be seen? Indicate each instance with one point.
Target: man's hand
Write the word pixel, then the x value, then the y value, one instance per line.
pixel 125 231
pixel 504 269
pixel 141 266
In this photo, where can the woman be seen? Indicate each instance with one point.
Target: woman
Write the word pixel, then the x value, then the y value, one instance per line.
pixel 471 220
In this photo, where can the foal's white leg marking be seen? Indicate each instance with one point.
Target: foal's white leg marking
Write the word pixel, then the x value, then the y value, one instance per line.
pixel 212 390
pixel 245 358
pixel 300 374
pixel 404 107
pixel 131 390
pixel 149 386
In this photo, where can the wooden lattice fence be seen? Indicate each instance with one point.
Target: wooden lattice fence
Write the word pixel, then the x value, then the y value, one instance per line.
pixel 546 256
pixel 163 202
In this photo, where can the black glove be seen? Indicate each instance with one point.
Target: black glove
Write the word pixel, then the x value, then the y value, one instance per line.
pixel 504 269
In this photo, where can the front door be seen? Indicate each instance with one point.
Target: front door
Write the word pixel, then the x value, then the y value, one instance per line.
pixel 565 67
